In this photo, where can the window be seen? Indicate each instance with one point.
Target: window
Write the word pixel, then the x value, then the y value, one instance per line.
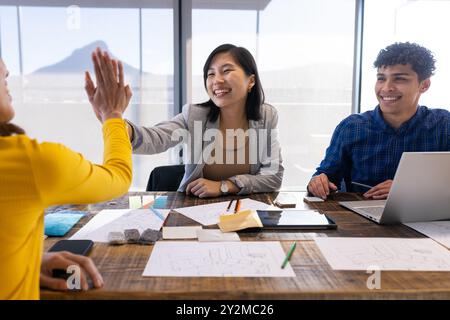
pixel 304 52
pixel 47 50
pixel 420 21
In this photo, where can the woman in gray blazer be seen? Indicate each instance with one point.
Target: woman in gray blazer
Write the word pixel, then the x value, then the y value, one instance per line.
pixel 230 142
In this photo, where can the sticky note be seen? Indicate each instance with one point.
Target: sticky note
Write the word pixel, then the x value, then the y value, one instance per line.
pixel 241 220
pixel 135 202
pixel 147 199
pixel 59 223
pixel 160 202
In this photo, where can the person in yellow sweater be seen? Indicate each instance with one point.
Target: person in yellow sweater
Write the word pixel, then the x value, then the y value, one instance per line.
pixel 36 175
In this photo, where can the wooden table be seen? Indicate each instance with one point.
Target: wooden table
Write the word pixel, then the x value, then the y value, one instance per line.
pixel 122 266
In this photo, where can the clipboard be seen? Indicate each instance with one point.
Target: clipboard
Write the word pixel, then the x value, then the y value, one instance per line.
pixel 295 220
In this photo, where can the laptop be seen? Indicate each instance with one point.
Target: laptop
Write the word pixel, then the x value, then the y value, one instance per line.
pixel 420 191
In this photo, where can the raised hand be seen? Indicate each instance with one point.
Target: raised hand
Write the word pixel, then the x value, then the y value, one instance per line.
pixel 111 97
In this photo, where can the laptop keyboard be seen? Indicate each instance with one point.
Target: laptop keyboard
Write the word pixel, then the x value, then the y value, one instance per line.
pixel 373 211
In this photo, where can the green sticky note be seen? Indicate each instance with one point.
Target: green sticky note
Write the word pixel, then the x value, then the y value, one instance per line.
pixel 135 202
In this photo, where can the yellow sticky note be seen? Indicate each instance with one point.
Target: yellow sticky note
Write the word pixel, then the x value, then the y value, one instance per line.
pixel 135 202
pixel 241 220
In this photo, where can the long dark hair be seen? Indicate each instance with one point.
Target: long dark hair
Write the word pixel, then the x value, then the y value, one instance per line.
pixel 8 129
pixel 255 97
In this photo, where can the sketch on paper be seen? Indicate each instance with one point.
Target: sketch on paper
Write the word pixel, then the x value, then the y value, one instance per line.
pixel 211 259
pixel 385 253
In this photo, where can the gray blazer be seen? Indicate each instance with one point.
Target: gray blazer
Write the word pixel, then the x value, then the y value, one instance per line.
pixel 191 127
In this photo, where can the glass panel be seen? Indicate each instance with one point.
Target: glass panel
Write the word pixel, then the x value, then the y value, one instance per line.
pixel 156 86
pixel 10 42
pixel 420 21
pixel 57 42
pixel 304 51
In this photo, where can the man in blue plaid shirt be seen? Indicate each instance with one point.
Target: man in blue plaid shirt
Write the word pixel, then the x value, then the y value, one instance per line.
pixel 366 148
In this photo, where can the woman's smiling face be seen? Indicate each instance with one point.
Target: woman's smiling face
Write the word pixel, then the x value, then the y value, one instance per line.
pixel 226 83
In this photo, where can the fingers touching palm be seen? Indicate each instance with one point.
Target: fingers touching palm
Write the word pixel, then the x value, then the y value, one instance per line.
pixel 110 96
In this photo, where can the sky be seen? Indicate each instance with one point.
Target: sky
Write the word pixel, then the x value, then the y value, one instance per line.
pixel 291 33
pixel 50 34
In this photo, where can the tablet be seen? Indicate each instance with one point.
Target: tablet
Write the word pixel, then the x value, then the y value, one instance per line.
pixel 295 219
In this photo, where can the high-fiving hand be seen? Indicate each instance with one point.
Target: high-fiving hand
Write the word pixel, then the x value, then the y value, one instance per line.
pixel 111 97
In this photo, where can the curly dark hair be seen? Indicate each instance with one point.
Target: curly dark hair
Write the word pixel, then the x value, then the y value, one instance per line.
pixel 421 59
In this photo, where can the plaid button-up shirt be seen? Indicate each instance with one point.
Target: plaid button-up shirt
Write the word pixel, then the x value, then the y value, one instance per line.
pixel 365 149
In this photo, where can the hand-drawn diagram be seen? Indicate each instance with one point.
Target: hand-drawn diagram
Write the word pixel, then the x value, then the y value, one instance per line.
pixel 385 253
pixel 98 228
pixel 206 259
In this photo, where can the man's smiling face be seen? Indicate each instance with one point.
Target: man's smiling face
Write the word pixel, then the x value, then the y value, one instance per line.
pixel 398 89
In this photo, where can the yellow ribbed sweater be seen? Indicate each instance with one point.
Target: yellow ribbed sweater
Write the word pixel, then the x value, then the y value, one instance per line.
pixel 36 175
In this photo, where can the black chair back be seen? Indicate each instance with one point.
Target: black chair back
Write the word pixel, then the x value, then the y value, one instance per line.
pixel 165 178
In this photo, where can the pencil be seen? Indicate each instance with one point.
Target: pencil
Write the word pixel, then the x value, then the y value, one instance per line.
pixel 289 254
pixel 271 202
pixel 238 205
pixel 229 205
pixel 362 185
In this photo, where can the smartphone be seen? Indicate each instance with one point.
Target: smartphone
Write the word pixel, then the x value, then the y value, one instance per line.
pixel 81 247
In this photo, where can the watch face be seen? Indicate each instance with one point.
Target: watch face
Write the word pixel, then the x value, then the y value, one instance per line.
pixel 223 187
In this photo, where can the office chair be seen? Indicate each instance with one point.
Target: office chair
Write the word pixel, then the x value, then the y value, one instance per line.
pixel 165 178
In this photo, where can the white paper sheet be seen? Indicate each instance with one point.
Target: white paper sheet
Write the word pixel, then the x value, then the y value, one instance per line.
pixel 215 235
pixel 439 231
pixel 105 221
pixel 208 214
pixel 180 232
pixel 217 259
pixel 384 254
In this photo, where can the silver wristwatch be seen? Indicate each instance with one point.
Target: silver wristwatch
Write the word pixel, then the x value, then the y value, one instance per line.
pixel 224 187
